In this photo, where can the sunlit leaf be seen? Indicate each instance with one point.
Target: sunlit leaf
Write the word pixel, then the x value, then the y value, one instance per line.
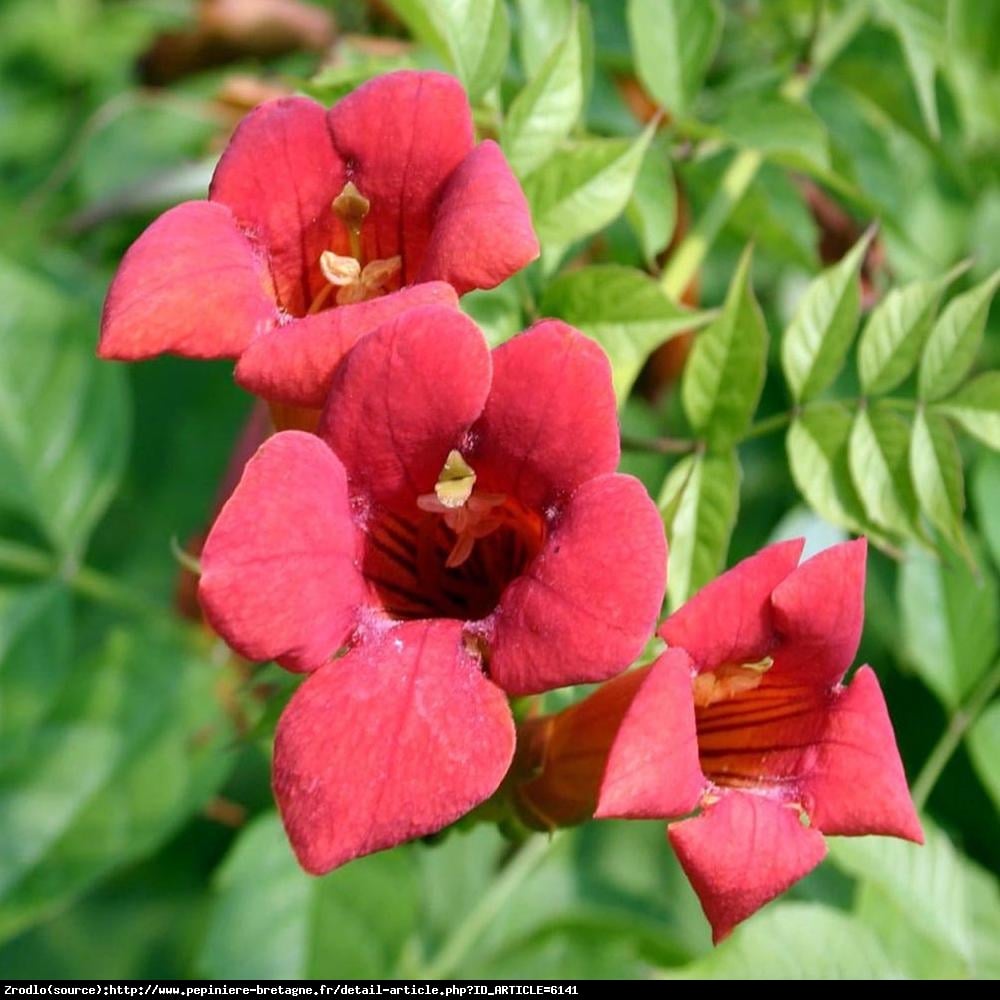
pixel 976 408
pixel 936 469
pixel 624 310
pixel 878 457
pixel 954 341
pixel 544 113
pixel 700 519
pixel 894 335
pixel 674 42
pixel 817 340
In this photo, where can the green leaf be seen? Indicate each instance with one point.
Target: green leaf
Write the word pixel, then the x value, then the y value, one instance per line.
pixel 921 28
pixel 472 35
pixel 700 519
pixel 927 883
pixel 976 408
pixel 786 132
pixel 544 113
pixel 878 457
pixel 135 745
pixel 894 335
pixel 817 448
pixel 949 623
pixel 582 189
pixel 817 339
pixel 724 374
pixel 983 740
pixel 542 25
pixel 985 493
pixel 795 941
pixel 936 468
pixel 63 414
pixel 652 209
pixel 674 42
pixel 624 310
pixel 35 655
pixel 954 341
pixel 271 920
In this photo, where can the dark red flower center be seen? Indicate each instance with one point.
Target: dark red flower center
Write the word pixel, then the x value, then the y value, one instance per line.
pixel 754 732
pixel 455 553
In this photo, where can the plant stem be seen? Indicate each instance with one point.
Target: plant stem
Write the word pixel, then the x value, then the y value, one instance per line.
pixel 769 424
pixel 468 932
pixel 658 445
pixel 87 582
pixel 688 257
pixel 952 736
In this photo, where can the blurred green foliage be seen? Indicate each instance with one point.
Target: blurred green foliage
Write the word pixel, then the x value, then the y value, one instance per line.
pixel 137 834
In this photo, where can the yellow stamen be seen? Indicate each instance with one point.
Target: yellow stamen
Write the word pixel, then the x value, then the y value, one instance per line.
pixel 468 514
pixel 728 681
pixel 338 270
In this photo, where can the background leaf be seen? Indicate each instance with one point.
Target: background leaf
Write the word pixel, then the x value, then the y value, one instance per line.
pixel 976 408
pixel 271 920
pixel 674 42
pixel 63 414
pixel 134 745
pixel 894 335
pixel 817 340
pixel 949 623
pixel 544 113
pixel 701 496
pixel 584 188
pixel 725 371
pixel 936 468
pixel 954 342
pixel 624 310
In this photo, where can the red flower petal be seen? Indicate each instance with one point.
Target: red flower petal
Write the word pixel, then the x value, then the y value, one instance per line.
pixel 395 740
pixel 400 136
pixel 279 175
pixel 190 284
pixel 279 569
pixel 550 422
pixel 857 784
pixel 482 228
pixel 402 399
pixel 729 619
pixel 294 364
pixel 653 770
pixel 818 612
pixel 741 852
pixel 588 603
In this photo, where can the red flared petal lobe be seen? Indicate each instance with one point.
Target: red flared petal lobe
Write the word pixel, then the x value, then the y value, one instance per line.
pixel 401 135
pixel 729 619
pixel 482 229
pixel 192 285
pixel 653 770
pixel 403 398
pixel 551 422
pixel 857 785
pixel 294 364
pixel 818 612
pixel 741 852
pixel 588 603
pixel 279 175
pixel 395 740
pixel 280 576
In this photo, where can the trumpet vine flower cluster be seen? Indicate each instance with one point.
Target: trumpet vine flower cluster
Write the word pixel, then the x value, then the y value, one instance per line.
pixel 451 533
